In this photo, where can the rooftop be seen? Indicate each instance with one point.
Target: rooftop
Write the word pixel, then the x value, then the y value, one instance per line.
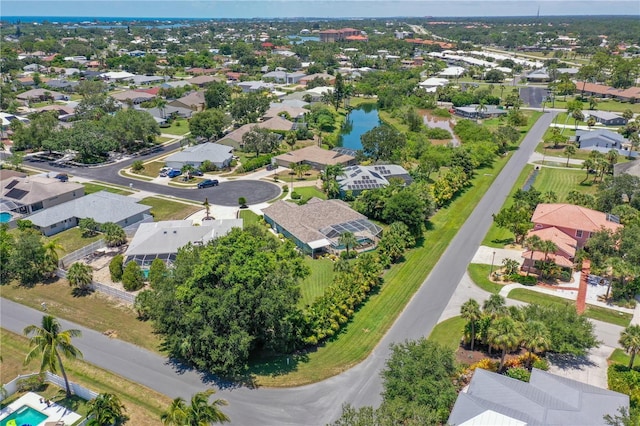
pixel 573 217
pixel 33 189
pixel 201 152
pixel 315 154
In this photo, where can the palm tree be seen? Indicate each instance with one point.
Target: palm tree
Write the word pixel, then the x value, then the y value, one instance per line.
pixel 549 197
pixel 106 409
pixel 588 164
pixel 577 116
pixel 80 276
pixel 627 114
pixel 612 158
pixel 634 140
pixel 535 338
pixel 591 121
pixel 348 240
pixel 532 244
pixel 470 311
pixel 48 342
pixel 207 208
pixel 187 169
pixel 51 249
pixel 504 333
pixel 569 151
pixel 630 341
pixel 494 305
pixel 199 413
pixel 161 104
pixel 480 108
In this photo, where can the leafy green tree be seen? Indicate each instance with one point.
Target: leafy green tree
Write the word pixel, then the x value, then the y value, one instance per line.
pixel 80 276
pixel 42 127
pixel 470 311
pixel 114 235
pixel 28 258
pixel 247 288
pixel 408 207
pixel 132 129
pixel 208 124
pixel 137 166
pixel 395 240
pixel 494 76
pixel 504 333
pixel 516 219
pixel 382 142
pixel 115 268
pixel 106 409
pixel 260 140
pixel 217 95
pixel 157 272
pixel 16 159
pixel 48 342
pixel 630 341
pixel 533 244
pixel 505 136
pixel 418 380
pixel 6 248
pixel 132 278
pixel 90 139
pixel 199 412
pixel 247 108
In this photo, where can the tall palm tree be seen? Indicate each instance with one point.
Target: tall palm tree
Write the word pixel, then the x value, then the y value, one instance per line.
pixel 589 165
pixel 48 342
pixel 634 140
pixel 470 311
pixel 569 151
pixel 532 244
pixel 504 333
pixel 199 413
pixel 535 338
pixel 51 249
pixel 348 240
pixel 591 121
pixel 80 276
pixel 207 209
pixel 106 409
pixel 630 341
pixel 494 306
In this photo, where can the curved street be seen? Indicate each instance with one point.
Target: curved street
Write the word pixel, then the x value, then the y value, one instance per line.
pixel 319 403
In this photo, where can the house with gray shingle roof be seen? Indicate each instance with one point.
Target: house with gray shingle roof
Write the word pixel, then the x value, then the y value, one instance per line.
pixel 316 227
pixel 29 194
pixel 607 118
pixel 219 155
pixel 604 141
pixel 101 206
pixel 547 400
pixel 161 240
pixel 360 178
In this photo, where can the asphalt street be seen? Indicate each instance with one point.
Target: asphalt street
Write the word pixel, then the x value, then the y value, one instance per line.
pixel 226 194
pixel 319 403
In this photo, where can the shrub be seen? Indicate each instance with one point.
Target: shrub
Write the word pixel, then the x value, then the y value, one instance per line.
pixel 285 189
pixel 255 163
pixel 541 364
pixel 132 278
pixel 437 133
pixel 137 166
pixel 485 364
pixel 621 379
pixel 565 276
pixel 519 373
pixel 441 112
pixel 115 268
pixel 524 280
pixel 295 196
pixel 34 383
pixel 157 271
pixel 243 202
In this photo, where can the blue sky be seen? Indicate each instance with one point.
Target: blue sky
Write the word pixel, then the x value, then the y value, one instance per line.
pixel 211 9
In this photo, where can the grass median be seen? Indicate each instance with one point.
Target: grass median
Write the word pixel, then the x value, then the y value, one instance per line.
pixel 594 312
pixel 162 209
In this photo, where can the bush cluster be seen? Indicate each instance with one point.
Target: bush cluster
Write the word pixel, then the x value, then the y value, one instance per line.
pixel 255 163
pixel 523 279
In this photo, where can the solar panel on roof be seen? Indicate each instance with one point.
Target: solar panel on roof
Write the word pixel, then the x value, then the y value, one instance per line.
pixel 11 184
pixel 16 194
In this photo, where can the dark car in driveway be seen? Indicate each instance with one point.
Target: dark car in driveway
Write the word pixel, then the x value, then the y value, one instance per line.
pixel 208 183
pixel 173 173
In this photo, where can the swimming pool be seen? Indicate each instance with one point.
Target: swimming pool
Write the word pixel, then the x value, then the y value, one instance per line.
pixel 4 218
pixel 24 415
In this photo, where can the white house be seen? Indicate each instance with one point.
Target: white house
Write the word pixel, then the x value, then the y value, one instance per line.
pixel 219 155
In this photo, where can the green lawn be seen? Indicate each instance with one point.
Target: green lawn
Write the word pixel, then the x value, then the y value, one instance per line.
pixel 603 105
pixel 499 237
pixel 480 275
pixel 90 188
pixel 563 181
pixel 315 284
pixel 162 139
pixel 72 240
pixel 369 324
pixel 308 192
pixel 619 356
pixel 594 312
pixel 178 128
pixel 151 169
pixel 162 209
pixel 249 217
pixel 449 332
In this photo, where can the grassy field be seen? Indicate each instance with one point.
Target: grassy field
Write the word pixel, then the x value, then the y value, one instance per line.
pixel 372 321
pixel 449 332
pixel 594 312
pixel 95 311
pixel 162 209
pixel 499 237
pixel 480 276
pixel 90 188
pixel 143 405
pixel 563 181
pixel 178 128
pixel 308 192
pixel 249 217
pixel 315 284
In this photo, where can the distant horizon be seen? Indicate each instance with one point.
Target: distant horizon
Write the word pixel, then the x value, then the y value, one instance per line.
pixel 309 9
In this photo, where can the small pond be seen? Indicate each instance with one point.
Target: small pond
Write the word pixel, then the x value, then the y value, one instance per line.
pixel 358 122
pixel 447 124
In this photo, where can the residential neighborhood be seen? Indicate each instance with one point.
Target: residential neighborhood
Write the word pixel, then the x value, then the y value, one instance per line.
pixel 320 221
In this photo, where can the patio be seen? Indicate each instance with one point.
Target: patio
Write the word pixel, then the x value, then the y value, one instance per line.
pixel 50 414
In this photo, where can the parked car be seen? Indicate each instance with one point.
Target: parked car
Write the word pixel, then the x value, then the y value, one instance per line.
pixel 272 166
pixel 164 171
pixel 207 183
pixel 196 173
pixel 62 177
pixel 173 173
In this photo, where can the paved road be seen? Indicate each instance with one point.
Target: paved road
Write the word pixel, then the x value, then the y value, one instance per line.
pixel 226 194
pixel 533 96
pixel 319 403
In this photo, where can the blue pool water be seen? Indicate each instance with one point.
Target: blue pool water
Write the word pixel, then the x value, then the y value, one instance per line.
pixel 358 122
pixel 4 218
pixel 24 415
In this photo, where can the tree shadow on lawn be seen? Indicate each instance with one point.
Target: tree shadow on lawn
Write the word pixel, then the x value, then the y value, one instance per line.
pixel 568 361
pixel 208 378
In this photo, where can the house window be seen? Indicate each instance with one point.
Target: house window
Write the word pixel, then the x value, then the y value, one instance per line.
pixel 578 233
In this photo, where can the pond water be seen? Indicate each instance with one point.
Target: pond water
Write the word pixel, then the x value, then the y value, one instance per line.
pixel 447 124
pixel 358 122
pixel 299 39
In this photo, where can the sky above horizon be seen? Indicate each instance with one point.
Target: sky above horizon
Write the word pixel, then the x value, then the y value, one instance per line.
pixel 212 9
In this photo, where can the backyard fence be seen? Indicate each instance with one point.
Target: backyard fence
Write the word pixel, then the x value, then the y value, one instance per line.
pixel 14 386
pixel 122 296
pixel 66 261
